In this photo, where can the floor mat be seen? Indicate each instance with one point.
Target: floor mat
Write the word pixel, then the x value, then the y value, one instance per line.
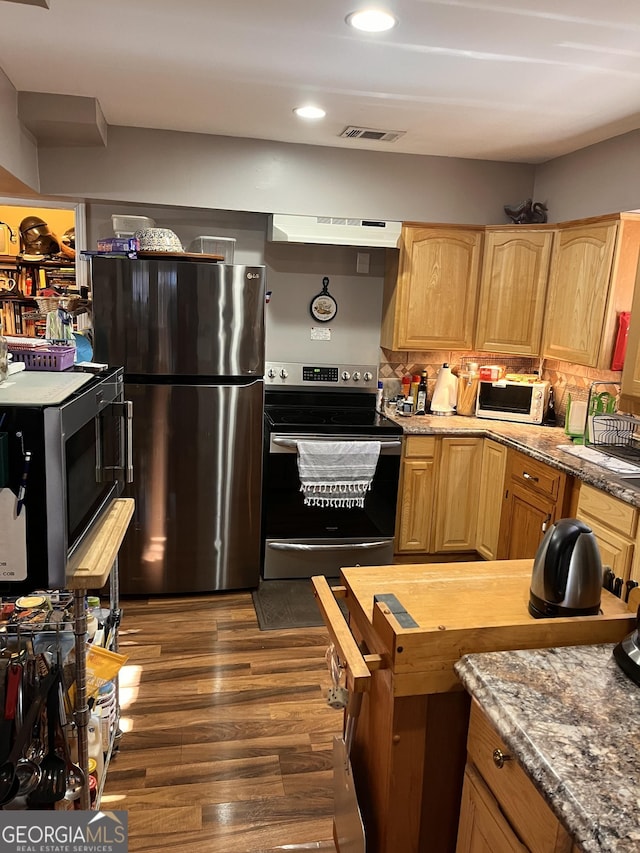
pixel 283 604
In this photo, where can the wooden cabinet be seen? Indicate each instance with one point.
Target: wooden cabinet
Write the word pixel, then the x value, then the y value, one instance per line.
pixel 430 295
pixel 614 524
pixel 592 275
pixel 534 498
pixel 483 828
pixel 501 810
pixel 456 504
pixel 494 465
pixel 513 286
pixel 415 502
pixel 438 495
pixel 409 747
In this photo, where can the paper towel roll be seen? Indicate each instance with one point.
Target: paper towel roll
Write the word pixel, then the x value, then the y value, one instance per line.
pixel 445 392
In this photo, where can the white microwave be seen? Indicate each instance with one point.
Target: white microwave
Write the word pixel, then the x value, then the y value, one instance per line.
pixel 508 400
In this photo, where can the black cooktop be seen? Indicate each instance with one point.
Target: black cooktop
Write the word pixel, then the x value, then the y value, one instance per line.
pixel 349 421
pixel 326 414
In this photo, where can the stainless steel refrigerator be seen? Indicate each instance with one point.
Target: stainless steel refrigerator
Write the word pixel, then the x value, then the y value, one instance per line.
pixel 190 336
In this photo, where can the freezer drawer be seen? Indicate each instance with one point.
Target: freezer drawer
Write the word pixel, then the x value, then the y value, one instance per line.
pixel 197 461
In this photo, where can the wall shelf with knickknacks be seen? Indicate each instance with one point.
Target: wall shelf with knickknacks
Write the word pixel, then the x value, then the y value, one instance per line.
pixel 38 259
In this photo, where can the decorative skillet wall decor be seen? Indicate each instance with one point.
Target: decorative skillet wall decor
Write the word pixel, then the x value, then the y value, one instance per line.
pixel 323 306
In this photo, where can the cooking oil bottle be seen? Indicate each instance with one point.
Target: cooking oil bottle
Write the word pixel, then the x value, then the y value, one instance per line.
pixel 421 396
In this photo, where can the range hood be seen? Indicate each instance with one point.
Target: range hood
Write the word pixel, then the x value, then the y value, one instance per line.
pixel 333 231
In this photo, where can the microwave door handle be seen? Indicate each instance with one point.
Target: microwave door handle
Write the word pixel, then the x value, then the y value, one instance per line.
pixel 99 455
pixel 126 415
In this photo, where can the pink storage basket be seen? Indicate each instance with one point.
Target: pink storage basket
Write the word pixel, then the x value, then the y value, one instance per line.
pixel 44 358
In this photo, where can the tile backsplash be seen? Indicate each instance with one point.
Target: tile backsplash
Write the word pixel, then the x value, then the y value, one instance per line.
pixel 564 376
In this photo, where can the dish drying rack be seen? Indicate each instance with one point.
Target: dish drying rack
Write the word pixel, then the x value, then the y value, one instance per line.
pixel 617 435
pixel 608 430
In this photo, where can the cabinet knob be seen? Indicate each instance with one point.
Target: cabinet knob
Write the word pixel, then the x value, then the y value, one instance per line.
pixel 499 758
pixel 529 477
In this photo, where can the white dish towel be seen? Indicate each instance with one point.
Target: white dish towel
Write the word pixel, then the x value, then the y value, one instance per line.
pixel 336 473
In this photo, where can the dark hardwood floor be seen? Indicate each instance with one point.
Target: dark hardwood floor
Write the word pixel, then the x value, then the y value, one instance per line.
pixel 228 736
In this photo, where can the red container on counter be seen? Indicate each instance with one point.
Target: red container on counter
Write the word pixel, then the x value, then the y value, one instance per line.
pixel 491 372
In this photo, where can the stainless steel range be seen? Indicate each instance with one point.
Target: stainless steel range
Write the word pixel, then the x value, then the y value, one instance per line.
pixel 329 403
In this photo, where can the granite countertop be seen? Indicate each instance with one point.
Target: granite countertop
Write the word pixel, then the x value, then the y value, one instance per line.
pixel 539 442
pixel 569 716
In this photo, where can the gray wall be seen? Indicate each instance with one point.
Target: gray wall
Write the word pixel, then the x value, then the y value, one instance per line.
pixel 249 229
pixel 18 150
pixel 603 178
pixel 216 172
pixel 294 277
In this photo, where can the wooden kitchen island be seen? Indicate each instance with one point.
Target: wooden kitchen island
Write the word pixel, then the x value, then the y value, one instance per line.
pixel 409 748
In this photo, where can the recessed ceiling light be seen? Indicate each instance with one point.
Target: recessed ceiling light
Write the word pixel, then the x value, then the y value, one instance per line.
pixel 371 20
pixel 310 112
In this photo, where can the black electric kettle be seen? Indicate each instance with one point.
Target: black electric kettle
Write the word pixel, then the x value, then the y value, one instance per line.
pixel 567 572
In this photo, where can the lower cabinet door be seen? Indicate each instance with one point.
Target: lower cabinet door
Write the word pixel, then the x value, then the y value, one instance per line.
pixel 615 551
pixel 524 521
pixel 415 506
pixel 483 828
pixel 494 464
pixel 456 503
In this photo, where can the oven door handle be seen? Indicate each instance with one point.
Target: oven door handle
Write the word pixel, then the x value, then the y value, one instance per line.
pixel 298 546
pixel 292 443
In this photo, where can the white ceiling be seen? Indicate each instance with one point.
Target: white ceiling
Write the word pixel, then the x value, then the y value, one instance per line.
pixel 515 80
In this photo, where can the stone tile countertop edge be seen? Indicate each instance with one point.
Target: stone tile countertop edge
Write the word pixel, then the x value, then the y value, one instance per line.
pixel 568 717
pixel 539 442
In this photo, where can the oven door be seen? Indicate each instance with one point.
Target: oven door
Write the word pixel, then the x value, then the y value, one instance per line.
pixel 301 541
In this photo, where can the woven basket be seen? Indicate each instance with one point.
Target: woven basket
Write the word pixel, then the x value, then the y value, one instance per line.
pixel 51 303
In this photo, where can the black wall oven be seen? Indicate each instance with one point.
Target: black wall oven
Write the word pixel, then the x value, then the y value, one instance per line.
pixel 301 540
pixel 66 456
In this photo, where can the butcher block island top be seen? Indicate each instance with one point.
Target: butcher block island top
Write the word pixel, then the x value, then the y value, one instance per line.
pixel 409 749
pixel 461 608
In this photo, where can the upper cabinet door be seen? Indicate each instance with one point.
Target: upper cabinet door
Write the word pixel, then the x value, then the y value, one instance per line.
pixel 593 272
pixel 581 291
pixel 431 304
pixel 513 288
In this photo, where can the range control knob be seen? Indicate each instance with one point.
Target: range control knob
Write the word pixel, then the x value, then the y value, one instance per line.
pixel 283 373
pixel 368 377
pixel 271 373
pixel 345 375
pixel 356 376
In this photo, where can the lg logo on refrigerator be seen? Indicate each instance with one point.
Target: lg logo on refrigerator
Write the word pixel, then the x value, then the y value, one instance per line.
pixel 251 275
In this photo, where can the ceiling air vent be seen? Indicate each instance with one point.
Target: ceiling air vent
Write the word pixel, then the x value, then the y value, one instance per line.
pixel 371 134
